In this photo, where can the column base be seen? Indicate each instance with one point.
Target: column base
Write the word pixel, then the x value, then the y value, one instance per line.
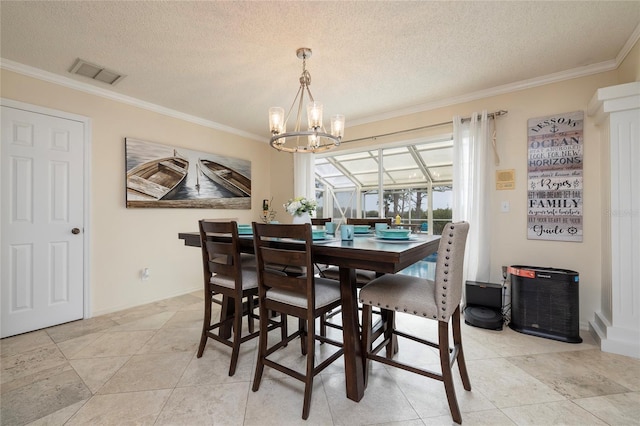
pixel 617 340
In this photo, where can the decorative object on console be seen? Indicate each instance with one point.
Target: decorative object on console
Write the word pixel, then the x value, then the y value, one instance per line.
pixel 267 214
pixel 315 139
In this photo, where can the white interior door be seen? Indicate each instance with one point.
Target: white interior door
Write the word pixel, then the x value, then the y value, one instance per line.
pixel 42 220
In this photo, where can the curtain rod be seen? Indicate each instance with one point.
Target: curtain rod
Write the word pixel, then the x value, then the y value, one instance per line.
pixel 429 126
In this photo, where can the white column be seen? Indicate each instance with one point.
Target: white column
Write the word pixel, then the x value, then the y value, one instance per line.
pixel 304 183
pixel 617 324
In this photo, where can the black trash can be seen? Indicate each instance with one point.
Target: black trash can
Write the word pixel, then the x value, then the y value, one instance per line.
pixel 545 302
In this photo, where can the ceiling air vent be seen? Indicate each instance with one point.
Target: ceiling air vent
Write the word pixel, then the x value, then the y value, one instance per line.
pixel 95 72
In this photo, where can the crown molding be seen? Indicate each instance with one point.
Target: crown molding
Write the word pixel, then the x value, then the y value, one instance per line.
pixel 512 87
pixel 494 91
pixel 481 94
pixel 108 94
pixel 633 39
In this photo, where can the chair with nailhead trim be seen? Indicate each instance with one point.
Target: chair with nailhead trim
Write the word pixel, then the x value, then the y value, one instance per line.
pixel 436 300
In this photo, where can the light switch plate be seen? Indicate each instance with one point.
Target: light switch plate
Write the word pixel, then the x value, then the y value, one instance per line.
pixel 504 207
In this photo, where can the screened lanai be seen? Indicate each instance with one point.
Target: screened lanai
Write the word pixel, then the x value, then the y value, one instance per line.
pixel 412 181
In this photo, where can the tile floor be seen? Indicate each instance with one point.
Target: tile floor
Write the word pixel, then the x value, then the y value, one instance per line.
pixel 139 367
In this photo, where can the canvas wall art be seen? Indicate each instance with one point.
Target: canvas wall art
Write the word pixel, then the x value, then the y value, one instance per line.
pixel 160 175
pixel 555 151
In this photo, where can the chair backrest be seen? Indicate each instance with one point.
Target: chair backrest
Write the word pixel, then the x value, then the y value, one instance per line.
pixel 371 221
pixel 220 251
pixel 449 266
pixel 319 221
pixel 274 244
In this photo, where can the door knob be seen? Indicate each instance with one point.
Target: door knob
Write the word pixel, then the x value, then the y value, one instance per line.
pixel 75 231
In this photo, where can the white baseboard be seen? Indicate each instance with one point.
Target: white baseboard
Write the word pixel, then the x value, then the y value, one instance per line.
pixel 134 305
pixel 615 339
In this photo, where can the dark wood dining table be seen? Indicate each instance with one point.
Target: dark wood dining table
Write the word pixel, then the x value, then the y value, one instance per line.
pixel 364 252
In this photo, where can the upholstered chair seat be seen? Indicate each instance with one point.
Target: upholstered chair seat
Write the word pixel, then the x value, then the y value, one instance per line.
pixel 327 291
pixel 402 293
pixel 249 279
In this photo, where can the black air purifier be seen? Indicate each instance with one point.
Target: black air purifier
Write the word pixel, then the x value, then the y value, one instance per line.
pixel 483 305
pixel 545 302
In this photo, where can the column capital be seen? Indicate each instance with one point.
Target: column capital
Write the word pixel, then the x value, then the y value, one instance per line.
pixel 613 99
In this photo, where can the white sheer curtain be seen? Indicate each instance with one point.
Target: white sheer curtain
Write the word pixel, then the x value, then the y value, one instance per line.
pixel 304 184
pixel 471 191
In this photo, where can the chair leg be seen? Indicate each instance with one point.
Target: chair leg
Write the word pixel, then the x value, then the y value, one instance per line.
pixel 237 336
pixel 251 308
pixel 262 347
pixel 308 380
pixel 302 326
pixel 457 341
pixel 206 323
pixel 323 326
pixel 447 374
pixel 389 324
pixel 284 328
pixel 366 340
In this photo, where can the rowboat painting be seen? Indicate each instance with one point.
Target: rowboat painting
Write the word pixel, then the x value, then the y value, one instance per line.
pixel 156 179
pixel 230 179
pixel 161 176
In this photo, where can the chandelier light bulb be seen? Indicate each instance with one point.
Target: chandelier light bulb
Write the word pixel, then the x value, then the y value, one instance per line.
pixel 314 115
pixel 313 141
pixel 337 126
pixel 276 120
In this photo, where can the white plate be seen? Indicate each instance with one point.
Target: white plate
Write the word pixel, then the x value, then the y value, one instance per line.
pixel 411 239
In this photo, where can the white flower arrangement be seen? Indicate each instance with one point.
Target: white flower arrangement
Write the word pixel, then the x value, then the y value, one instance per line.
pixel 300 205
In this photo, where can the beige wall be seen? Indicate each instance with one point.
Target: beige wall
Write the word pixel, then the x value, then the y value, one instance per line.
pixel 629 70
pixel 123 241
pixel 509 243
pixel 281 182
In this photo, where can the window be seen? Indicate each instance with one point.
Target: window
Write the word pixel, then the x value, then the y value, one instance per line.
pixel 416 183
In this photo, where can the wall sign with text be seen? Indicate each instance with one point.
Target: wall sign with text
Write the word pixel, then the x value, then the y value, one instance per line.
pixel 554 177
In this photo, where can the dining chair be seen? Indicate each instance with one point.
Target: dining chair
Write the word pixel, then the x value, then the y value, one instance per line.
pixel 371 221
pixel 306 297
pixel 363 276
pixel 294 270
pixel 228 273
pixel 437 300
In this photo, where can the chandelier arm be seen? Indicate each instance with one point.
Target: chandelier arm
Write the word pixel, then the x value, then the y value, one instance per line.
pixel 309 93
pixel 300 108
pixel 301 95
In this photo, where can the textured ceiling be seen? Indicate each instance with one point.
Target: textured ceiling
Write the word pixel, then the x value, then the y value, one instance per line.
pixel 228 62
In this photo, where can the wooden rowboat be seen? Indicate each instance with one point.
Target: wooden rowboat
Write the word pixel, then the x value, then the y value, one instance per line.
pixel 155 179
pixel 228 178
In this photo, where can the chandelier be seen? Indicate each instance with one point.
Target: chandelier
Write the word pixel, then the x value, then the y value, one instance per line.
pixel 315 138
